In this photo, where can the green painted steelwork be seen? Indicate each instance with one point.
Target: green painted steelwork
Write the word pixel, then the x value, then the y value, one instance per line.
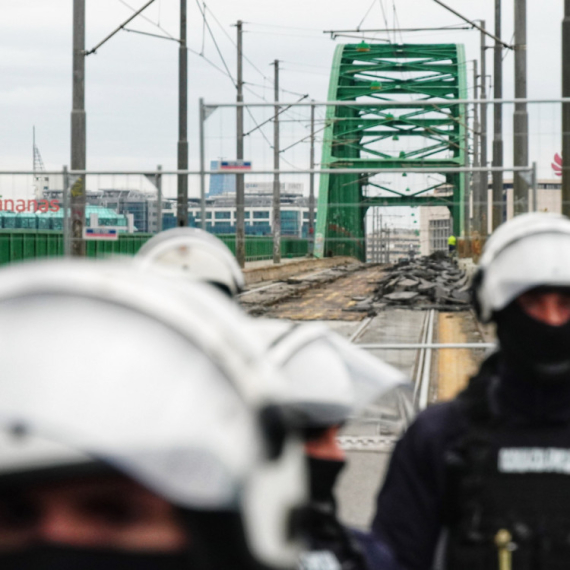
pixel 418 133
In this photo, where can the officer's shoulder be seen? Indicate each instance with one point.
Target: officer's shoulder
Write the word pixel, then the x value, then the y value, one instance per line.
pixel 438 417
pixel 441 423
pixel 434 429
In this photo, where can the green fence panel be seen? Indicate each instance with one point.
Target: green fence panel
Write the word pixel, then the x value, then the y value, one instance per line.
pixel 21 244
pixel 294 247
pixel 4 248
pixel 29 246
pixel 261 247
pixel 41 245
pixel 16 248
pixel 54 244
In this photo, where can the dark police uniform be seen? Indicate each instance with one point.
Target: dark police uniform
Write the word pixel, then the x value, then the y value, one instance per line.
pixel 497 457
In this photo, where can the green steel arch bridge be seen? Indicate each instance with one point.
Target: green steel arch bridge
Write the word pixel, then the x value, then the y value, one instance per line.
pixel 375 135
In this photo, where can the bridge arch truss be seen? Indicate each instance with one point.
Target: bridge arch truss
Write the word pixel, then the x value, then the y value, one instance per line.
pixel 414 133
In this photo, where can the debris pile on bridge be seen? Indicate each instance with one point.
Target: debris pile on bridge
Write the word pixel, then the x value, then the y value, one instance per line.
pixel 433 282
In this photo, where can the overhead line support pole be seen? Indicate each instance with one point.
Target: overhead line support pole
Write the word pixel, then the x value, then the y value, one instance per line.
pixel 66 241
pixel 276 181
pixel 520 117
pixel 475 184
pixel 158 180
pixel 78 131
pixel 466 174
pixel 482 202
pixel 312 185
pixel 534 186
pixel 240 182
pixel 566 110
pixel 497 176
pixel 202 167
pixel 182 196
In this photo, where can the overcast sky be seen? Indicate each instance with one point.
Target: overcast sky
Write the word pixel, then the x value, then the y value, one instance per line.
pixel 131 83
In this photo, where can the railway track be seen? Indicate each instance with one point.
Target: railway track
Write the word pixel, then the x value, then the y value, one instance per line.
pixel 392 417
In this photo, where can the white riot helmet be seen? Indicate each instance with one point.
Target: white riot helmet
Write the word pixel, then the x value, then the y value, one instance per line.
pixel 158 382
pixel 329 379
pixel 531 250
pixel 195 254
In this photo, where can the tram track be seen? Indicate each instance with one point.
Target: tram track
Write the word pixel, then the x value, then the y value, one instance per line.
pixel 389 426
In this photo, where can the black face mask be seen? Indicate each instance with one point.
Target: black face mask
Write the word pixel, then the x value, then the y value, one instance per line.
pixel 70 558
pixel 323 474
pixel 532 349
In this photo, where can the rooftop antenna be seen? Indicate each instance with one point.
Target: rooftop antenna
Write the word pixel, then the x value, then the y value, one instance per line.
pixel 38 162
pixel 38 167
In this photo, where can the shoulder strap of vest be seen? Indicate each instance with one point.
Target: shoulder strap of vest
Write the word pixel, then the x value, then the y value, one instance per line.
pixel 474 404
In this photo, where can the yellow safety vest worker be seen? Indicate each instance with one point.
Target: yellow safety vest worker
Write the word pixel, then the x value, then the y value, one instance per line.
pixel 451 240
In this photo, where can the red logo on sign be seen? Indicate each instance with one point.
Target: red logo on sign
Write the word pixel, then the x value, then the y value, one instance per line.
pixel 557 165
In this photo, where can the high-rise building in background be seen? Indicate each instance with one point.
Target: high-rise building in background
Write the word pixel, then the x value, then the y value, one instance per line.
pixel 220 183
pixel 225 183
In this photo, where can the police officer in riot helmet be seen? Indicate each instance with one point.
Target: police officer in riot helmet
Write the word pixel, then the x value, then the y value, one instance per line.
pixel 483 481
pixel 328 379
pixel 130 428
pixel 193 254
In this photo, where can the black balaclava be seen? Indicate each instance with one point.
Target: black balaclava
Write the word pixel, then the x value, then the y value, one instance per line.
pixel 533 350
pixel 63 557
pixel 323 474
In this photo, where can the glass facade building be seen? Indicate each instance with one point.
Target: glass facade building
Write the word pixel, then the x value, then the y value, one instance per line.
pixel 220 183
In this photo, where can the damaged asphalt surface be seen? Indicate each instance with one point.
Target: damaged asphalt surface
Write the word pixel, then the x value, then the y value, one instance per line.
pixel 424 283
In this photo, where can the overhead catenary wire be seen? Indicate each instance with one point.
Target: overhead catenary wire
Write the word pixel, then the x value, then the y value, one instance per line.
pixel 397 22
pixel 226 71
pixel 280 89
pixel 366 15
pixel 203 30
pixel 273 118
pixel 283 27
pixel 209 61
pixel 216 44
pixel 118 29
pixel 304 139
pixel 245 57
pixel 224 31
pixel 305 36
pixel 151 34
pixel 157 24
pixel 381 2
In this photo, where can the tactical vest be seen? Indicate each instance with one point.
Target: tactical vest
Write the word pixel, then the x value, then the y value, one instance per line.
pixel 513 478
